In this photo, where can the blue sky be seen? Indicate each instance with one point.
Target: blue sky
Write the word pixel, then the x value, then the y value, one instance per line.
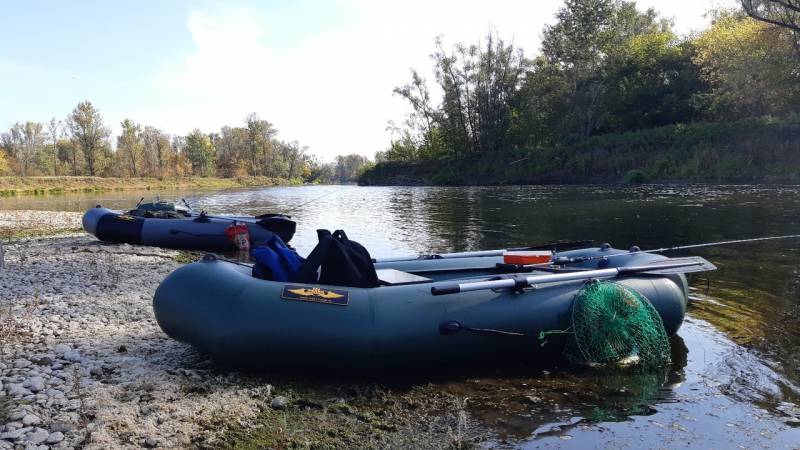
pixel 321 71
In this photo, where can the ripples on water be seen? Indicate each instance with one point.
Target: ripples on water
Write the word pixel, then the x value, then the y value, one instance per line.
pixel 736 359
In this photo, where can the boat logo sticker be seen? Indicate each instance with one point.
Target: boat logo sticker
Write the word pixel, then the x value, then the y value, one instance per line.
pixel 317 295
pixel 126 217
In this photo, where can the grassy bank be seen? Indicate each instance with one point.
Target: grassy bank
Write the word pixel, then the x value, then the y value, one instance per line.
pixel 61 185
pixel 757 150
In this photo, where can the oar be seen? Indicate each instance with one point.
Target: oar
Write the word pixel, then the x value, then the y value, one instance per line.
pixel 556 246
pixel 696 265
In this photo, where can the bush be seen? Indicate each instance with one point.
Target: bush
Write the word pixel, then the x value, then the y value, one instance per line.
pixel 634 177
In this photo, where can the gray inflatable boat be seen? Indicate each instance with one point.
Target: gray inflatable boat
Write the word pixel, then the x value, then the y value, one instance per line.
pixel 159 225
pixel 219 308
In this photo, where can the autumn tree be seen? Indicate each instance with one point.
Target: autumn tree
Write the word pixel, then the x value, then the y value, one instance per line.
pixel 156 151
pixel 749 66
pixel 130 147
pixel 781 13
pixel 54 132
pixel 200 152
pixel 87 131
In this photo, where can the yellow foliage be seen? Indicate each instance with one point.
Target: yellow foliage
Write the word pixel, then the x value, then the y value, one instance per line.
pixel 4 169
pixel 750 66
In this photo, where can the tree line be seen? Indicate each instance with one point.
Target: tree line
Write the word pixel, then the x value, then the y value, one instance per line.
pixel 604 66
pixel 81 144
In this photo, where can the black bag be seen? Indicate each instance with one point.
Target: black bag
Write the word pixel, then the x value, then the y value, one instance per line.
pixel 341 262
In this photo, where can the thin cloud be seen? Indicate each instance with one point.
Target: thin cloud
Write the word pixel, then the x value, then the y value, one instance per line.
pixel 332 90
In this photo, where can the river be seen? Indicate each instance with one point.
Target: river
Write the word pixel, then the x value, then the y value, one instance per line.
pixel 735 373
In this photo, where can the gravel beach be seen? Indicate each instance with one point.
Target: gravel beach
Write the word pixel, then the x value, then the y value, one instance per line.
pixel 83 362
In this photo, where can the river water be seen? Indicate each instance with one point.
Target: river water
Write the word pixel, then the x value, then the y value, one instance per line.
pixel 736 359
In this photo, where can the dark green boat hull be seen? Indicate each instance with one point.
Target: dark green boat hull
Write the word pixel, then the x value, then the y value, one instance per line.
pixel 221 310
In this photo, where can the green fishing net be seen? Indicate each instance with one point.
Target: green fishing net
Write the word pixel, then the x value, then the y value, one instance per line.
pixel 615 326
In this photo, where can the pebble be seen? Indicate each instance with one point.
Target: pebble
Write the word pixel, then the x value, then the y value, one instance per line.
pixel 38 436
pixel 55 378
pixel 15 434
pixel 62 348
pixel 34 384
pixel 73 356
pixel 61 427
pixel 31 419
pixel 55 438
pixel 279 402
pixel 21 363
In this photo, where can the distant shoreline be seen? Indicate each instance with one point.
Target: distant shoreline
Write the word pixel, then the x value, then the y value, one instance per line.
pixel 15 185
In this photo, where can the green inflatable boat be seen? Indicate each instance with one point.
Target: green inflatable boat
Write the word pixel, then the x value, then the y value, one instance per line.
pixel 440 311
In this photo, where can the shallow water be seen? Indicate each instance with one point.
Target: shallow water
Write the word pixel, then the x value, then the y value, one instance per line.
pixel 736 359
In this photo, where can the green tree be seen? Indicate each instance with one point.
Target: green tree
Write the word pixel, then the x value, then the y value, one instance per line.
pixel 781 13
pixel 750 68
pixel 577 43
pixel 349 167
pixel 130 147
pixel 157 151
pixel 650 83
pixel 86 127
pixel 54 132
pixel 261 145
pixel 200 152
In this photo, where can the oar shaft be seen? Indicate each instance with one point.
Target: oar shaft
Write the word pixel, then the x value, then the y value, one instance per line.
pixel 553 278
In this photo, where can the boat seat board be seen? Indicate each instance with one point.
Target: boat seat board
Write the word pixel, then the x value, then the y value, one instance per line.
pixel 394 277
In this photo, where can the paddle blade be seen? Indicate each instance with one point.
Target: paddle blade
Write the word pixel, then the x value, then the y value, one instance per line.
pixel 689 264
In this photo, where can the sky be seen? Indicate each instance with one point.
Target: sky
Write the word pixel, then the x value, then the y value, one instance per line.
pixel 322 72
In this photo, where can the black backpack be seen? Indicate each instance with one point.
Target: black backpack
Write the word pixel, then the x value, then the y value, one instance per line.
pixel 341 262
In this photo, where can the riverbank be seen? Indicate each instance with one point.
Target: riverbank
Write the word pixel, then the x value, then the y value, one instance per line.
pixel 750 151
pixel 66 184
pixel 83 364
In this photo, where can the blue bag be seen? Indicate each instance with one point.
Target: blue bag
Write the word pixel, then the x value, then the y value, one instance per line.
pixel 275 261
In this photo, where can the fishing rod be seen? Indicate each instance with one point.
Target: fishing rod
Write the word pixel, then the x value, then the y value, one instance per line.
pixel 553 246
pixel 578 259
pixel 296 207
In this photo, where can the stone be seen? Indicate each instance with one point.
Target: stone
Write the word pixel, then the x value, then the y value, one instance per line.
pixel 11 426
pixel 31 419
pixel 73 356
pixel 62 348
pixel 34 384
pixel 21 363
pixel 43 361
pixel 61 427
pixel 151 442
pixel 14 435
pixel 279 402
pixel 54 438
pixel 17 415
pixel 16 390
pixel 38 436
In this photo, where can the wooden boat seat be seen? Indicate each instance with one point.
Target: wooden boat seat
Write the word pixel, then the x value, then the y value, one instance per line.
pixel 393 277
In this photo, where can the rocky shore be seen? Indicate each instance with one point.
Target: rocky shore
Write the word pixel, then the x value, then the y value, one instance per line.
pixel 83 362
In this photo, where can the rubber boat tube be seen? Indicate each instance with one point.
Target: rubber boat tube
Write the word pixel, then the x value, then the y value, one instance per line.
pixel 222 310
pixel 195 233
